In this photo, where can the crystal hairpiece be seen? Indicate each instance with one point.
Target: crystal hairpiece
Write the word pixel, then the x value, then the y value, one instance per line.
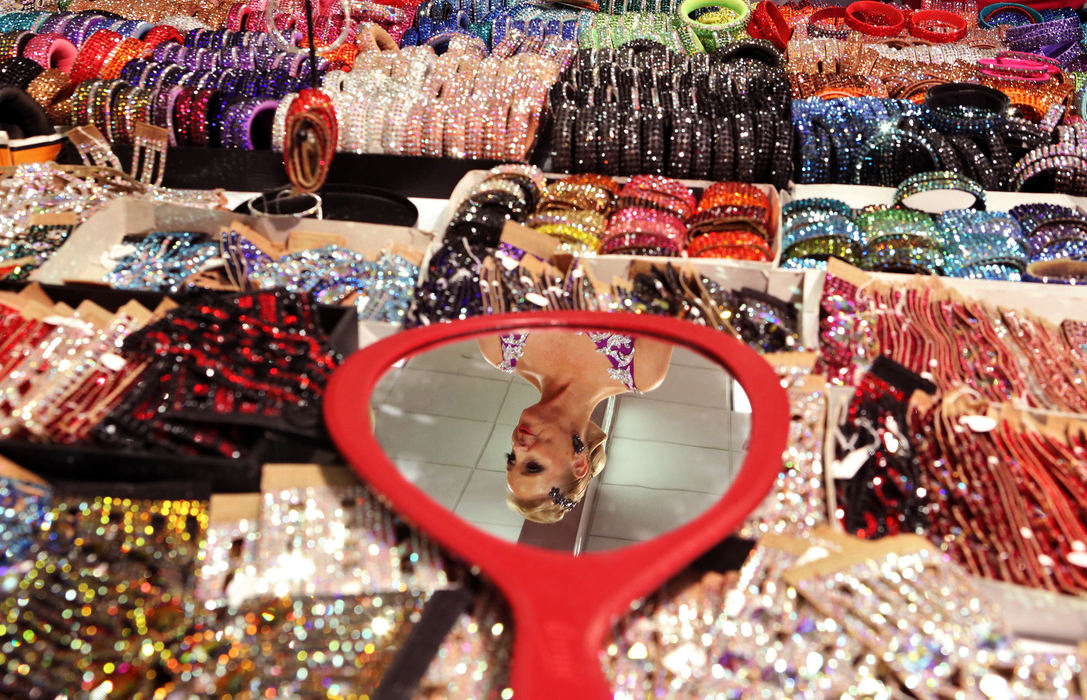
pixel 562 502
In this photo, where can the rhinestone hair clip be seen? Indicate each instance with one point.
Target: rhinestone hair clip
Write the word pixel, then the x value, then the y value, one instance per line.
pixel 564 503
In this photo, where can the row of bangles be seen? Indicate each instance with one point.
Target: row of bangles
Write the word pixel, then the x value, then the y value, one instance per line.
pixel 1030 242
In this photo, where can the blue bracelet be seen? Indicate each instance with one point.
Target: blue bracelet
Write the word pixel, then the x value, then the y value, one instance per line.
pixel 986 13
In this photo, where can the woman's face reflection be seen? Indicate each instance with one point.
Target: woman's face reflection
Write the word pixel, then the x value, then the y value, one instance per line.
pixel 540 455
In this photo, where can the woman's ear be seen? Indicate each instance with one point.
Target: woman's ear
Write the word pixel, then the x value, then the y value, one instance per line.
pixel 581 466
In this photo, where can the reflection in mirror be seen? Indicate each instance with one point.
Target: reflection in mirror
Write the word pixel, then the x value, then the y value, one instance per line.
pixel 579 441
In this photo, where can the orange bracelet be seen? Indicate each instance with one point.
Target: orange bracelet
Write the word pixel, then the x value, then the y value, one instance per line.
pixel 723 194
pixel 739 245
pixel 127 50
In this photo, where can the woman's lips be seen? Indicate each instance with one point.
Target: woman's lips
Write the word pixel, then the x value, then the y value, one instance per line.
pixel 525 431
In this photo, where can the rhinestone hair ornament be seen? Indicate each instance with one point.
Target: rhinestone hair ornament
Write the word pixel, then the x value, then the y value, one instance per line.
pixel 561 501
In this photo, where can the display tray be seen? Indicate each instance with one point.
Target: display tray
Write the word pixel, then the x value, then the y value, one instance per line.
pixel 84 257
pixel 258 171
pixel 94 463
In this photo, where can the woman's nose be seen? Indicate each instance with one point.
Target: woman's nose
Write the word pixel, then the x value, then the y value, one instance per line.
pixel 521 438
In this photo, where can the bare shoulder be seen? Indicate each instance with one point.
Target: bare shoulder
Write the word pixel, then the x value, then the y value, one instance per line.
pixel 491 349
pixel 651 360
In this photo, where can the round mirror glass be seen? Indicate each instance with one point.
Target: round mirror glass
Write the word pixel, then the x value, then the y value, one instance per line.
pixel 566 440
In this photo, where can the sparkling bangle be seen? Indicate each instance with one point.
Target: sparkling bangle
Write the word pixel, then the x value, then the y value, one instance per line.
pixel 50 87
pixel 911 192
pixel 740 245
pixel 94 54
pixel 874 18
pixel 901 255
pixel 19 72
pixel 51 51
pixel 126 50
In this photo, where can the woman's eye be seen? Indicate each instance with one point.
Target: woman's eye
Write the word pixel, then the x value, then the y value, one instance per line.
pixel 534 468
pixel 509 458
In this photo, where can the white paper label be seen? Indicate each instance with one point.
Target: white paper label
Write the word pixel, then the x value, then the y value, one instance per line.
pixel 979 424
pixel 847 466
pixel 112 362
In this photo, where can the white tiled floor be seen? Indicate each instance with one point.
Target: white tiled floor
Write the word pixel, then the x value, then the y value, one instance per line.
pixel 634 512
pixel 443 482
pixel 484 500
pixel 694 386
pixel 427 438
pixel 600 544
pixel 663 465
pixel 679 423
pixel 494 454
pixel 446 419
pixel 443 394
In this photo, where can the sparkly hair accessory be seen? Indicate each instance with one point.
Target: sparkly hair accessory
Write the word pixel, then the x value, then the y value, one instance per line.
pixel 559 500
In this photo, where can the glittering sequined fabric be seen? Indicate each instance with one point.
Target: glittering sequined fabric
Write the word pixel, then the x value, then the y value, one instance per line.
pixel 952 341
pixel 828 617
pixel 796 502
pixel 619 349
pixel 103 606
pixel 513 347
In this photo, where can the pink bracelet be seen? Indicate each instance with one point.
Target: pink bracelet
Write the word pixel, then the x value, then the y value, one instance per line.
pixel 612 244
pixel 664 185
pixel 649 221
pixel 51 51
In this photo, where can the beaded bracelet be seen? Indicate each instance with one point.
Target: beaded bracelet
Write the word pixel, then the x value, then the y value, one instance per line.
pixel 901 255
pixel 640 244
pixel 50 87
pixel 874 18
pixel 937 26
pixel 739 245
pixel 988 14
pixel 832 226
pixel 19 72
pixel 93 55
pixel 828 22
pixel 51 50
pixel 910 192
pixel 733 18
pixel 646 220
pixel 873 156
pixel 814 251
pixel 749 218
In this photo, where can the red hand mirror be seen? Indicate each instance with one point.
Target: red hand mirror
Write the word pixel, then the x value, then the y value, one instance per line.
pixel 559 622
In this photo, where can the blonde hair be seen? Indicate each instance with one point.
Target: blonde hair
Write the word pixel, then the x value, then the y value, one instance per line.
pixel 547 511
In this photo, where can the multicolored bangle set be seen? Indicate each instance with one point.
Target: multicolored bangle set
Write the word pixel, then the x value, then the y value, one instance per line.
pixel 645 109
pixel 956 242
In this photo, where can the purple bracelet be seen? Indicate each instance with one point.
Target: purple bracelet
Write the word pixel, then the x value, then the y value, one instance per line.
pixel 80 27
pixel 240 118
pixel 56 23
pixel 167 52
pixel 164 110
pixel 1053 234
pixel 1032 37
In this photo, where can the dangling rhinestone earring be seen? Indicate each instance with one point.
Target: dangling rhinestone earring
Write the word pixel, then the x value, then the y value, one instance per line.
pixel 579 446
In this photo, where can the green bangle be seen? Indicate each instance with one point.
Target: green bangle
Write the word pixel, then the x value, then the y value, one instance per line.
pixel 712 36
pixel 940 180
pixel 822 248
